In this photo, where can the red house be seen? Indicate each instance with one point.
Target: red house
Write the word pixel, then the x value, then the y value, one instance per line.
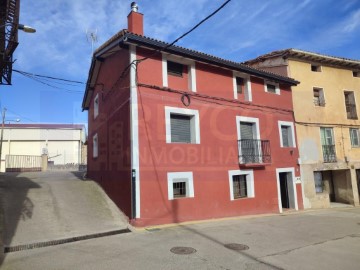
pixel 178 135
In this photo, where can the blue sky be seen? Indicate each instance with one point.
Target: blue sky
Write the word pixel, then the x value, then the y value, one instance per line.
pixel 243 30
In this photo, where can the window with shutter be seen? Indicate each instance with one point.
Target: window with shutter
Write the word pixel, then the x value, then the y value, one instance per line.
pixel 239 186
pixel 354 136
pixel 174 68
pixel 287 134
pixel 180 128
pixel 182 125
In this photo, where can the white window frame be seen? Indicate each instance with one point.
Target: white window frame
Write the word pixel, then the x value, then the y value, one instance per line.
pixel 95 146
pixel 287 124
pixel 247 85
pixel 351 137
pixel 96 105
pixel 175 177
pixel 248 120
pixel 187 62
pixel 252 120
pixel 277 87
pixel 249 183
pixel 194 123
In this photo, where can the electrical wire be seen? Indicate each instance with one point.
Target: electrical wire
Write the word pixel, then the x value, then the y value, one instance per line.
pixel 185 34
pixel 39 79
pixel 47 77
pixel 136 62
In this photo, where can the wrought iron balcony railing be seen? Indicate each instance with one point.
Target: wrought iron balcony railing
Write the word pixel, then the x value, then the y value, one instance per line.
pixel 351 111
pixel 329 153
pixel 254 151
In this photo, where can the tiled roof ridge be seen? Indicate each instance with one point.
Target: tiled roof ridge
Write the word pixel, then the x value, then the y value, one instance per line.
pixel 292 52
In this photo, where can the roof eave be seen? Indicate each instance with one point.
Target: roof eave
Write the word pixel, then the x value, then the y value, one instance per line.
pixel 153 44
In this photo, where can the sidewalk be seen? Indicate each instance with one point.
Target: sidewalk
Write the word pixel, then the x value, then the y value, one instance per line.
pixel 46 206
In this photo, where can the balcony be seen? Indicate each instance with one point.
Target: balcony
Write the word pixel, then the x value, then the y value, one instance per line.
pixel 329 153
pixel 254 152
pixel 351 111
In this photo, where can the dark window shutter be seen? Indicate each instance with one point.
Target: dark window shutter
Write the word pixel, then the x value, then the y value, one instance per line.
pixel 174 68
pixel 246 131
pixel 180 128
pixel 285 136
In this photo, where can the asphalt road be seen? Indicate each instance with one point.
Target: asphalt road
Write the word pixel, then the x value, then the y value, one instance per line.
pixel 324 239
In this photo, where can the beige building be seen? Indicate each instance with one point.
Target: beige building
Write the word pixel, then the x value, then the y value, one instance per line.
pixel 23 143
pixel 326 107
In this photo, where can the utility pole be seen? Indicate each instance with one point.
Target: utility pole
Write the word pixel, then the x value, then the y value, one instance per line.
pixel 2 134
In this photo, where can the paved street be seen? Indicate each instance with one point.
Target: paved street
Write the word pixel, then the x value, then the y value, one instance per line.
pixel 46 206
pixel 324 239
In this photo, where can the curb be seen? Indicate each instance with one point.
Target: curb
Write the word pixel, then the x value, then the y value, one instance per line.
pixel 63 241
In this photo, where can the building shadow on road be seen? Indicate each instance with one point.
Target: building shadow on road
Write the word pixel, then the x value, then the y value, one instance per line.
pixel 14 206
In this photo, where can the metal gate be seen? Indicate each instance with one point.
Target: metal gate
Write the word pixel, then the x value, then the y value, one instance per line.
pixel 22 163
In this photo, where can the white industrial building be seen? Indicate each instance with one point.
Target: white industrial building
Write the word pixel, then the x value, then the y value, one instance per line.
pixel 62 143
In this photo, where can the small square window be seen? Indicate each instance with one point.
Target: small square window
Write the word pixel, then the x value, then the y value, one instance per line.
pixel 175 69
pixel 96 106
pixel 318 94
pixel 180 185
pixel 95 146
pixel 272 87
pixel 179 189
pixel 239 186
pixel 241 183
pixel 354 137
pixel 356 74
pixel 315 68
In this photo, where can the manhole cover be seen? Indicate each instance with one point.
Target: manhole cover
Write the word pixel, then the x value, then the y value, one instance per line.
pixel 235 246
pixel 183 250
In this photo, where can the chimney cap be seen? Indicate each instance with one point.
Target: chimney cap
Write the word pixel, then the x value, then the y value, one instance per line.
pixel 134 7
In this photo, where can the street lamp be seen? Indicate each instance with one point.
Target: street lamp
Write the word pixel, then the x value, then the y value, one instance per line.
pixel 25 28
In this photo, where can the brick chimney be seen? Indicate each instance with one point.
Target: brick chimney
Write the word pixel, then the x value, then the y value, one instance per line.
pixel 135 20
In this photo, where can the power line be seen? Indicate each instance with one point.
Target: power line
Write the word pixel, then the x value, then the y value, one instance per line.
pixel 48 77
pixel 186 33
pixel 38 78
pixel 136 62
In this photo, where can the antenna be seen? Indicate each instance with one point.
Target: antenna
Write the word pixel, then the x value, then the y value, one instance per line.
pixel 91 36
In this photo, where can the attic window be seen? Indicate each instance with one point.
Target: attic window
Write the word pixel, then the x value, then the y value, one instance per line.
pixel 272 87
pixel 174 68
pixel 316 68
pixel 356 74
pixel 240 85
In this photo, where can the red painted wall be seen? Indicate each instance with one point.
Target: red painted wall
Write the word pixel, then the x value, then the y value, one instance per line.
pixel 217 153
pixel 111 169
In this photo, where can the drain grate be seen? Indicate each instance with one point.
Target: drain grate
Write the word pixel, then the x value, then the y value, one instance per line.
pixel 63 241
pixel 235 246
pixel 183 250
